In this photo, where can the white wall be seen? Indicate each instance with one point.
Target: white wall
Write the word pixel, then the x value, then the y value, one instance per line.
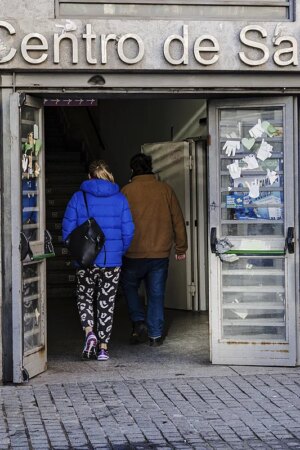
pixel 22 9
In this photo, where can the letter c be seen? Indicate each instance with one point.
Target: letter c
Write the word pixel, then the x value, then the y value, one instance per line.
pixel 12 51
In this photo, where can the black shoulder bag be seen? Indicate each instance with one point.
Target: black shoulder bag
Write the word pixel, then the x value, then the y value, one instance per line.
pixel 86 241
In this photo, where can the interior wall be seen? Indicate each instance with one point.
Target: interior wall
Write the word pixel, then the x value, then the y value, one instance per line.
pixel 125 125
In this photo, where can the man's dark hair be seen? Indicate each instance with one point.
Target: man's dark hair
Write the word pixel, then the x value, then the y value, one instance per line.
pixel 141 164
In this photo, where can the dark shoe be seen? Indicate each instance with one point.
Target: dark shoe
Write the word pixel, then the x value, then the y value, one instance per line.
pixel 89 351
pixel 139 333
pixel 156 342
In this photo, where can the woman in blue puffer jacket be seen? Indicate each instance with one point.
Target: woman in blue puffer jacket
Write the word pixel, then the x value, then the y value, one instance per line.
pixel 110 209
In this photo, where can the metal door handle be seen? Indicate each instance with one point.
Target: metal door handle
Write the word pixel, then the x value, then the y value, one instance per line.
pixel 290 243
pixel 213 240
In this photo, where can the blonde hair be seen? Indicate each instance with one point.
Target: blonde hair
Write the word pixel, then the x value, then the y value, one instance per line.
pixel 99 169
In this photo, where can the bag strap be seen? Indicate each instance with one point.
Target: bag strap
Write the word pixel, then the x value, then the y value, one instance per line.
pixel 86 204
pixel 87 208
pixel 104 254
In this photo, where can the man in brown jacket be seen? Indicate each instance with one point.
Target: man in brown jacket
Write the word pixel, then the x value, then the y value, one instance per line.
pixel 159 223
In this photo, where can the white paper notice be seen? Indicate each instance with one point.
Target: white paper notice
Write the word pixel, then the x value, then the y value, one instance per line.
pixel 264 151
pixel 234 170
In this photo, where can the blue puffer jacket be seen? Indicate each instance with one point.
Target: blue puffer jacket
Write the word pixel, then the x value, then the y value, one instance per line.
pixel 110 209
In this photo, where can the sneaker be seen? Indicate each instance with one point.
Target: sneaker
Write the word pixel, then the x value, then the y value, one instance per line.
pixel 156 342
pixel 139 333
pixel 103 355
pixel 89 351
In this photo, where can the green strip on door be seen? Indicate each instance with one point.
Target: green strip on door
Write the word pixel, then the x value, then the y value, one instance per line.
pixel 256 252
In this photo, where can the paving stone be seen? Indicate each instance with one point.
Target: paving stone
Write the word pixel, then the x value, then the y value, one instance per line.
pixel 235 412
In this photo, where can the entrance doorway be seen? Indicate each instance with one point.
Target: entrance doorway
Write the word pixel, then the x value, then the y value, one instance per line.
pixel 250 198
pixel 114 131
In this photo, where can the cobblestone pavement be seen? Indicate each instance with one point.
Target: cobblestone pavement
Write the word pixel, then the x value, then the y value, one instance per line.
pixel 227 412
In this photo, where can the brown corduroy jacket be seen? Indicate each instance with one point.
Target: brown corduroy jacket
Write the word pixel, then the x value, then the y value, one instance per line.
pixel 157 217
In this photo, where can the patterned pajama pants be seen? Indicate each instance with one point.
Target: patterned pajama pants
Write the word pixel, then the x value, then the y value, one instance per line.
pixel 97 285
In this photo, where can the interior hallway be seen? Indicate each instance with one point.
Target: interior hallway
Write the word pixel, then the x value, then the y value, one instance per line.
pixel 186 346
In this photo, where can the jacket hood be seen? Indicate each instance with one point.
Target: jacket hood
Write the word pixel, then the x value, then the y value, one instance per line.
pixel 100 188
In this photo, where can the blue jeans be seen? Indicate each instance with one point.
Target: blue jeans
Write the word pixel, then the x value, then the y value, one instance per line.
pixel 154 273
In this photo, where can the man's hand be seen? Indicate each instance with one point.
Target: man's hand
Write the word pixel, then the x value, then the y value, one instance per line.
pixel 180 257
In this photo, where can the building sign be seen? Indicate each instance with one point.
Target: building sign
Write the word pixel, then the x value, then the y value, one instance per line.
pixel 151 45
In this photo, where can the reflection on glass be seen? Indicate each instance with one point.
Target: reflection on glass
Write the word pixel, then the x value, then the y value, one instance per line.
pixel 251 149
pixel 31 306
pixel 31 224
pixel 254 298
pixel 28 113
pixel 253 229
pixel 31 146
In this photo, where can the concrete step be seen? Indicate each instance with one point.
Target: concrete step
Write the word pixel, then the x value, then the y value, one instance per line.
pixel 65 178
pixel 61 251
pixel 63 279
pixel 57 239
pixel 65 172
pixel 63 167
pixel 55 147
pixel 57 201
pixel 62 156
pixel 61 292
pixel 55 213
pixel 60 263
pixel 54 226
pixel 53 139
pixel 58 189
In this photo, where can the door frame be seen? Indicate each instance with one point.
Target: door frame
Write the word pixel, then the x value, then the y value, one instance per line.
pixel 184 149
pixel 17 310
pixel 6 238
pixel 38 83
pixel 201 186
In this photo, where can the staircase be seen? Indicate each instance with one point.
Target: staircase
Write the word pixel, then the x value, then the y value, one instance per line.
pixel 65 170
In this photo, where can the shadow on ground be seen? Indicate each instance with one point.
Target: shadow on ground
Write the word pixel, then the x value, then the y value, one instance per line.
pixel 185 347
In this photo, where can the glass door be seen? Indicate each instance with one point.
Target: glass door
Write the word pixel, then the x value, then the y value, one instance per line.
pixel 251 215
pixel 29 300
